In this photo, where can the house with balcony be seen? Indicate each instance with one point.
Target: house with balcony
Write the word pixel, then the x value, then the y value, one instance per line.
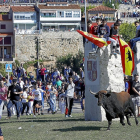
pixel 59 16
pixel 6 38
pixel 24 19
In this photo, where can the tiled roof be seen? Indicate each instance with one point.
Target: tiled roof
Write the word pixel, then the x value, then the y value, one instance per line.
pixel 59 7
pixel 102 8
pixel 4 9
pixel 23 8
pixel 4 18
pixel 5 34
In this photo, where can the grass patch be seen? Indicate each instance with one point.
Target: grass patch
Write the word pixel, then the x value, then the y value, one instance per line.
pixel 52 127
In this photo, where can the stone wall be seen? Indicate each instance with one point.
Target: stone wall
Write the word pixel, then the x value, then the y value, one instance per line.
pixel 51 45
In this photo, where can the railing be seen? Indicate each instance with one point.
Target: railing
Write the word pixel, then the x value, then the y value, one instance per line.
pixel 25 18
pixel 108 19
pixel 48 16
pixel 22 31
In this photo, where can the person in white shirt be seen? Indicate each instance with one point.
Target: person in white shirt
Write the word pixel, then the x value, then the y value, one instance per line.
pixel 62 101
pixel 38 98
pixel 21 83
pixel 70 94
pixel 53 93
pixel 25 101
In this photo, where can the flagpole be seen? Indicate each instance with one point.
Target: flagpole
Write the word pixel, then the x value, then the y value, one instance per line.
pixel 85 16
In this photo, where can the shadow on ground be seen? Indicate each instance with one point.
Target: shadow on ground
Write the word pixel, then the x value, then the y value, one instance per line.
pixel 80 128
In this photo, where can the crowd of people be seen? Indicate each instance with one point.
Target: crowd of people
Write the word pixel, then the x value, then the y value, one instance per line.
pixel 107 33
pixel 24 94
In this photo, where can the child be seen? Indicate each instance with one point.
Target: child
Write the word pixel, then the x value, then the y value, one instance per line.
pixel 53 93
pixel 62 101
pixel 31 101
pixel 25 101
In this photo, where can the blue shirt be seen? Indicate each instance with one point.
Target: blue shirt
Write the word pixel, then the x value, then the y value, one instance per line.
pixel 126 86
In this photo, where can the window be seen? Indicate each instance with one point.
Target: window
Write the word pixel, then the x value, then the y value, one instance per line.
pixel 1 40
pixel 3 26
pixel 60 13
pixel 76 14
pixel 68 13
pixel 7 40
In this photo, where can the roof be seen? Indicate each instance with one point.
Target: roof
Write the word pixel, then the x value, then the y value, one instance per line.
pixel 4 18
pixel 4 9
pixel 59 7
pixel 101 8
pixel 6 34
pixel 23 8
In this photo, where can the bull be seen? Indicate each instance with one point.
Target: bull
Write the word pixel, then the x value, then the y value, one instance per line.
pixel 116 105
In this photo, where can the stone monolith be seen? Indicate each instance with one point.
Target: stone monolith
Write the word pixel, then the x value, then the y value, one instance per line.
pixel 103 71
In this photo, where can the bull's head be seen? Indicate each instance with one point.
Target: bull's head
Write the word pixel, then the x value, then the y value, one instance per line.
pixel 101 96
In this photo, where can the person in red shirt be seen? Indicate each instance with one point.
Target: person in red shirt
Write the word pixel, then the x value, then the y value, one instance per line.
pixel 3 96
pixel 42 73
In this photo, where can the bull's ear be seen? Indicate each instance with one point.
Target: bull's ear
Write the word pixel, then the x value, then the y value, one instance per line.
pixel 108 94
pixel 96 95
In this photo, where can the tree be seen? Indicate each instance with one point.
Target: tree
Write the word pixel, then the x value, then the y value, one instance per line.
pixel 74 61
pixel 110 4
pixel 128 31
pixel 87 8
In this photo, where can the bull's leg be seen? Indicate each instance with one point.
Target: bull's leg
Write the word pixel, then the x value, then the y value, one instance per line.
pixel 109 118
pixel 122 119
pixel 109 124
pixel 132 108
pixel 127 117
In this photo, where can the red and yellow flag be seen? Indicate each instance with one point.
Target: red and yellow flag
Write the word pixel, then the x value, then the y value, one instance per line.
pixel 94 39
pixel 127 57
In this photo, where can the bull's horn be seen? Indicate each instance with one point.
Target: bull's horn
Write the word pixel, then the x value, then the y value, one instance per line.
pixel 92 92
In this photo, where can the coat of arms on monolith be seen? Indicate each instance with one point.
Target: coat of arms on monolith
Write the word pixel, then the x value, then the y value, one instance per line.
pixel 92 70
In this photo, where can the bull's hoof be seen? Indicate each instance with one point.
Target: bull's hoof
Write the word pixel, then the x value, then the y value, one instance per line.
pixel 123 124
pixel 108 129
pixel 129 124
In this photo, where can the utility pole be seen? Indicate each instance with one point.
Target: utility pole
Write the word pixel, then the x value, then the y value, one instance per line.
pixel 85 16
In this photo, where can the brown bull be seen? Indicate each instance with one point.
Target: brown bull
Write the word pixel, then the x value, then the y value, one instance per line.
pixel 116 105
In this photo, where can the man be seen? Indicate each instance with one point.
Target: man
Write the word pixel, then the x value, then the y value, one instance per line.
pixel 3 96
pixel 126 84
pixel 114 35
pixel 1 135
pixel 137 37
pixel 38 98
pixel 136 95
pixel 15 91
pixel 70 94
pixel 58 83
pixel 94 31
pixel 104 32
pixel 81 73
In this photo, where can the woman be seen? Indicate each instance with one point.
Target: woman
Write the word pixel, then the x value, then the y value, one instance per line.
pixel 42 73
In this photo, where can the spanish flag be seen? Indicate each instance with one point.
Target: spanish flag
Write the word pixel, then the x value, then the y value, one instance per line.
pixel 127 57
pixel 94 39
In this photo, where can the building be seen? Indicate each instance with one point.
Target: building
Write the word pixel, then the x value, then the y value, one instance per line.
pixel 24 19
pixel 104 12
pixel 55 16
pixel 6 38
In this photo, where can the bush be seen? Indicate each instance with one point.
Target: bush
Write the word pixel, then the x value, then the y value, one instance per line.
pixel 109 4
pixel 128 31
pixel 74 61
pixel 87 8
